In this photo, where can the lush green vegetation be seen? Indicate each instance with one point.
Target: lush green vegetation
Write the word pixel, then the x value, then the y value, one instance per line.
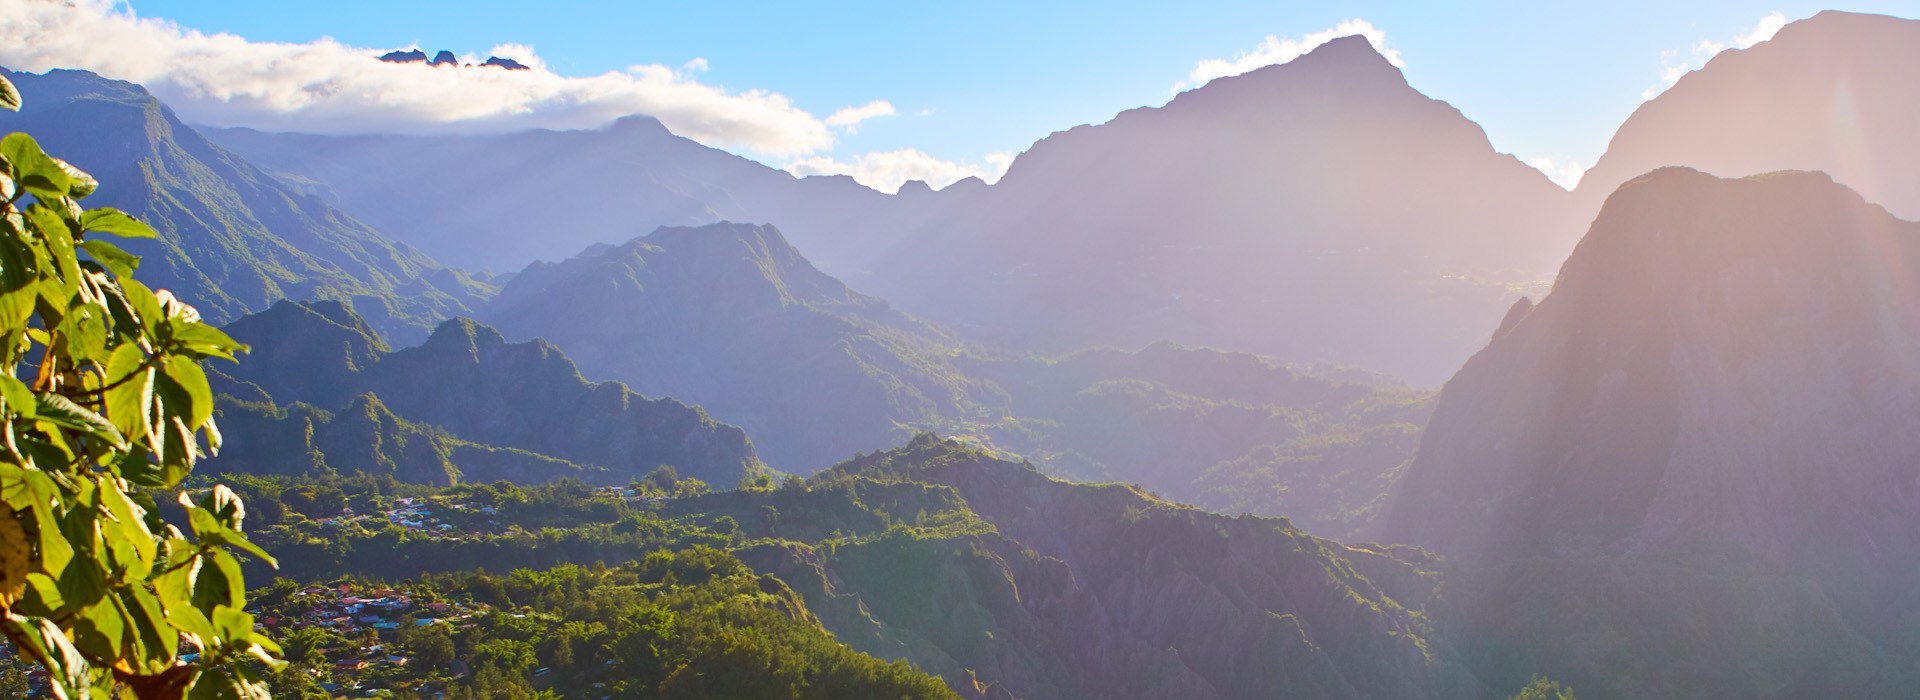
pixel 103 405
pixel 328 396
pixel 691 623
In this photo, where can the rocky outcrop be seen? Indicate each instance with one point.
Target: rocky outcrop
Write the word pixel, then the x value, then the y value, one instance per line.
pixel 413 56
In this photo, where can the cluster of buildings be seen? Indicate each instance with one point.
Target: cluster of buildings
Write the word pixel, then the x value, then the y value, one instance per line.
pixel 416 515
pixel 348 611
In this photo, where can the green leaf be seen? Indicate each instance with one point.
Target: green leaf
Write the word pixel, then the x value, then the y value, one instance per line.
pixel 185 373
pixel 115 222
pixel 62 411
pixel 143 303
pixel 214 684
pixel 129 523
pixel 130 401
pixel 58 238
pixel 9 95
pixel 158 640
pixel 39 174
pixel 85 331
pixel 17 395
pixel 101 627
pixel 66 664
pixel 16 306
pixel 219 584
pixel 119 262
pixel 80 184
pixel 206 341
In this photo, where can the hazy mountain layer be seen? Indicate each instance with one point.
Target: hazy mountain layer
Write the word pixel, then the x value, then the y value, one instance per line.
pixel 467 193
pixel 1833 93
pixel 232 238
pixel 1707 425
pixel 320 389
pixel 731 317
pixel 1319 210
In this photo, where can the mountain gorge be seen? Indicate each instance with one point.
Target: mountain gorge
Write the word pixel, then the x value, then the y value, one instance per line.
pixel 232 238
pixel 1722 381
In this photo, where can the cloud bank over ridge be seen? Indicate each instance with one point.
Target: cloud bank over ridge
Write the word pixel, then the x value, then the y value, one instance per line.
pixel 324 86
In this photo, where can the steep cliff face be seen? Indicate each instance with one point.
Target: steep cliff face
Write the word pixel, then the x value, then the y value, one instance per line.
pixel 319 389
pixel 1017 583
pixel 1719 388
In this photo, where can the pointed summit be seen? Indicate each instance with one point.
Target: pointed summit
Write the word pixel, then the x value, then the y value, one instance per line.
pixel 1224 218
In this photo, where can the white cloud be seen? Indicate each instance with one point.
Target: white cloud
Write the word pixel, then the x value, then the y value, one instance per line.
pixel 888 170
pixel 1563 172
pixel 1274 50
pixel 326 86
pixel 1673 68
pixel 849 118
pixel 1763 31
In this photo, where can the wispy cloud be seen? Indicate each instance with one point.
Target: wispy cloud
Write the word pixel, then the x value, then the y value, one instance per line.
pixel 329 87
pixel 888 170
pixel 1674 64
pixel 849 118
pixel 1562 171
pixel 1274 49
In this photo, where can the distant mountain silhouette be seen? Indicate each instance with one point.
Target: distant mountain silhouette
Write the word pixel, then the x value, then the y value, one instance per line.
pixel 1834 93
pixel 1316 210
pixel 232 239
pixel 467 194
pixel 1701 438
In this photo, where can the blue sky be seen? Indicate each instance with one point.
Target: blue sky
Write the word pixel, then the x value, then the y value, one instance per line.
pixel 1547 80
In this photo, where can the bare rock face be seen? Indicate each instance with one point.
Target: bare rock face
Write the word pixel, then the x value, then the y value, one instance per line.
pixel 1718 394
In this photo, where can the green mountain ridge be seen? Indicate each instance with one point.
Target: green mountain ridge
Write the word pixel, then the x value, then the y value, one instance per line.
pixel 232 238
pixel 465 405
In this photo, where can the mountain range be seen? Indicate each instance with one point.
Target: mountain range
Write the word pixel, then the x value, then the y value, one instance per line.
pixel 1230 217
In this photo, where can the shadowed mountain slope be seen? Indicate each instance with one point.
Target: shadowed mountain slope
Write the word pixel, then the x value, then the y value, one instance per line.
pixel 1708 424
